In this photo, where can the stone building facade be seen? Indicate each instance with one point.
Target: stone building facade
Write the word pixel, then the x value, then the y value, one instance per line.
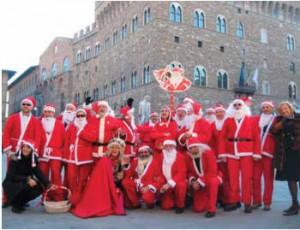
pixel 23 86
pixel 115 56
pixel 5 76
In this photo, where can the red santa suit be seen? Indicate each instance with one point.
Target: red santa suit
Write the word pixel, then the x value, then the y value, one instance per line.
pixel 99 131
pixel 203 169
pixel 129 137
pixel 239 143
pixel 78 155
pixel 174 172
pixel 139 176
pixel 52 155
pixel 264 166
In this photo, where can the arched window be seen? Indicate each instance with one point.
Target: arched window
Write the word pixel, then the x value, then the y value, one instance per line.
pixel 97 49
pixel 199 19
pixel 133 81
pixel 96 94
pixel 124 32
pixel 290 42
pixel 222 78
pixel 53 70
pixel 88 53
pixel 115 37
pixel 147 16
pixel 44 74
pixel 134 24
pixel 123 84
pixel 175 12
pixel 113 88
pixel 66 64
pixel 292 90
pixel 221 24
pixel 266 89
pixel 146 76
pixel 200 76
pixel 240 30
pixel 78 57
pixel 263 36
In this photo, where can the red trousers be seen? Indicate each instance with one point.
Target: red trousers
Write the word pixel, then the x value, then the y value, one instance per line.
pixel 205 199
pixel 133 196
pixel 243 166
pixel 223 194
pixel 263 167
pixel 53 167
pixel 77 177
pixel 174 196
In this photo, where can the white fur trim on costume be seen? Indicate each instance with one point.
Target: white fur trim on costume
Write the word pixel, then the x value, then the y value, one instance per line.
pixel 143 148
pixel 179 139
pixel 49 108
pixel 204 146
pixel 228 155
pixel 191 179
pixel 270 103
pixel 152 188
pixel 7 148
pixel 26 100
pixel 126 168
pixel 172 183
pixel 267 154
pixel 201 182
pixel 244 154
pixel 169 142
pixel 81 110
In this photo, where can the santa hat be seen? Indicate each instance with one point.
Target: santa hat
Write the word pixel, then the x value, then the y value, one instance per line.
pixel 96 105
pixel 145 147
pixel 73 105
pixel 247 100
pixel 188 99
pixel 197 107
pixel 153 114
pixel 269 103
pixel 49 107
pixel 238 101
pixel 81 110
pixel 182 108
pixel 196 141
pixel 126 110
pixel 210 110
pixel 219 107
pixel 169 142
pixel 31 100
pixel 30 144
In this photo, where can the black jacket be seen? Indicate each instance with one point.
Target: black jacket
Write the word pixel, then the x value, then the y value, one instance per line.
pixel 17 177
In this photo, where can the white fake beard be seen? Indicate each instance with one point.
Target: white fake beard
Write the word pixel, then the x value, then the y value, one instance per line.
pixel 239 114
pixel 142 162
pixel 264 119
pixel 169 156
pixel 219 124
pixel 48 124
pixel 180 123
pixel 189 121
pixel 68 116
pixel 210 118
pixel 80 122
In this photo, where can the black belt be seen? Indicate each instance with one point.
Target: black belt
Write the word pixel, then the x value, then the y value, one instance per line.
pixel 129 143
pixel 100 144
pixel 239 139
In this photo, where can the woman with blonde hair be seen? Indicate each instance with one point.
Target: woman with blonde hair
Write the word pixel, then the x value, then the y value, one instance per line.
pixel 102 195
pixel 286 129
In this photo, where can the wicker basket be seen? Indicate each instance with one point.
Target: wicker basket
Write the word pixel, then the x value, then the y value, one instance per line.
pixel 57 206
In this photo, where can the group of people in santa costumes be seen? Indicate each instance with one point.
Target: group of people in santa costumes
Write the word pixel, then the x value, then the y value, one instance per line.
pixel 175 155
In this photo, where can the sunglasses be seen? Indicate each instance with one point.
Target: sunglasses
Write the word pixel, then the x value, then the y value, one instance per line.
pixel 143 152
pixel 26 104
pixel 80 115
pixel 236 105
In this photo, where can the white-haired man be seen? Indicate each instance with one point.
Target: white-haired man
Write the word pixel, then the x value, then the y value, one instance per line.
pixel 239 144
pixel 174 171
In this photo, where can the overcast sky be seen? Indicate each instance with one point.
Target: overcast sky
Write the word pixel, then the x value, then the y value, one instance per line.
pixel 29 26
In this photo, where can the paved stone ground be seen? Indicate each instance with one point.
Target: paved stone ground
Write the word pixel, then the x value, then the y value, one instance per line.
pixel 35 217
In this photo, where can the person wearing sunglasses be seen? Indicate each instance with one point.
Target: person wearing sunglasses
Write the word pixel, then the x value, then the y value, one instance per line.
pixel 239 145
pixel 20 126
pixel 78 156
pixel 52 149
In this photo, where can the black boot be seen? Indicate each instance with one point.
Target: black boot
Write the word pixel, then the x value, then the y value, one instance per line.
pixel 248 208
pixel 256 206
pixel 17 209
pixel 179 210
pixel 210 214
pixel 293 210
pixel 230 207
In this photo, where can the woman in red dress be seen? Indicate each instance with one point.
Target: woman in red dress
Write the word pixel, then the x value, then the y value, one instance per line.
pixel 102 195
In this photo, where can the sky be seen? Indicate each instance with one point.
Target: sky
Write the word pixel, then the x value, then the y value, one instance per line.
pixel 29 26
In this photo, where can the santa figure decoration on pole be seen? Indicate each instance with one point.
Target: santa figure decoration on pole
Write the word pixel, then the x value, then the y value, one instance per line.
pixel 172 79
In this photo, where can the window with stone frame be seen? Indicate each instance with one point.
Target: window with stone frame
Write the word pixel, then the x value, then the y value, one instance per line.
pixel 66 65
pixel 107 43
pixel 88 53
pixel 124 32
pixel 240 30
pixel 97 49
pixel 175 12
pixel 133 80
pixel 146 75
pixel 44 74
pixel 134 24
pixel 200 76
pixel 123 84
pixel 292 67
pixel 78 57
pixel 221 25
pixel 222 78
pixel 96 94
pixel 147 16
pixel 54 70
pixel 113 88
pixel 290 42
pixel 292 90
pixel 105 91
pixel 263 36
pixel 115 37
pixel 199 19
pixel 266 88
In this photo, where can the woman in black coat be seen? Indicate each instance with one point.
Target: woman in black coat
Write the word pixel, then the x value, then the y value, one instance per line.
pixel 24 181
pixel 286 129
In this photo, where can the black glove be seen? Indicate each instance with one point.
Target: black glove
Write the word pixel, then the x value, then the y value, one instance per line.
pixel 88 100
